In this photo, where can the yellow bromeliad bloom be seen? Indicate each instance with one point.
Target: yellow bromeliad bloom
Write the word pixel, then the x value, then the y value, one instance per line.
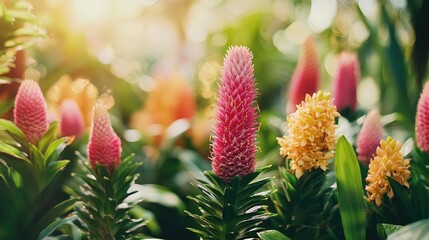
pixel 311 137
pixel 388 161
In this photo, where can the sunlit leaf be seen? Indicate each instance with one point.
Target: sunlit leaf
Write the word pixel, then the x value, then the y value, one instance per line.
pixel 350 196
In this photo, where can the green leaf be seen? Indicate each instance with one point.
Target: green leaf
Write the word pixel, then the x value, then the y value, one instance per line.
pixel 53 226
pixel 48 219
pixel 14 132
pixel 51 170
pixel 349 184
pixel 414 231
pixel 49 137
pixel 385 230
pixel 12 151
pixel 272 235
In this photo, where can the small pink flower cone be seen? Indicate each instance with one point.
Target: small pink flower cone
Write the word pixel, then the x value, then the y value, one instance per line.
pixel 305 79
pixel 104 145
pixel 71 119
pixel 234 141
pixel 345 83
pixel 30 112
pixel 369 137
pixel 422 120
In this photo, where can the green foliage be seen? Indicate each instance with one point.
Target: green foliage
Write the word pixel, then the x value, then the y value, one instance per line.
pixel 103 209
pixel 19 29
pixel 272 235
pixel 385 230
pixel 418 230
pixel 349 184
pixel 231 210
pixel 306 207
pixel 26 176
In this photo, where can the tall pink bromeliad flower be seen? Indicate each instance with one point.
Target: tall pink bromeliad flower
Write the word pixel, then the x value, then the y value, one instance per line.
pixel 305 79
pixel 104 145
pixel 30 112
pixel 369 136
pixel 234 141
pixel 71 122
pixel 422 120
pixel 345 82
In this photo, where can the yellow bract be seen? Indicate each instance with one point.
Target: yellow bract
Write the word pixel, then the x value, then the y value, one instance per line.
pixel 387 162
pixel 311 134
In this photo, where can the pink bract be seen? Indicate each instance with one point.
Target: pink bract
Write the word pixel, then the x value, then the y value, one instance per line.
pixel 234 141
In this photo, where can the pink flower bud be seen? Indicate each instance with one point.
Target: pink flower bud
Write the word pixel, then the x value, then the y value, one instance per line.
pixel 104 145
pixel 305 79
pixel 234 141
pixel 369 136
pixel 422 120
pixel 30 112
pixel 345 82
pixel 71 121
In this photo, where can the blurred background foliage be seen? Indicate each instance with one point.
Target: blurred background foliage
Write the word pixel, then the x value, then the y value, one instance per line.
pixel 161 60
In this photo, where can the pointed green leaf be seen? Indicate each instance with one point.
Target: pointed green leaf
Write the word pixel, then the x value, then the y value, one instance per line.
pixel 272 235
pixel 350 196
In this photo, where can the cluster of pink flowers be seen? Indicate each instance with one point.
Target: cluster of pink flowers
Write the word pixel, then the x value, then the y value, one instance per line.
pixel 30 115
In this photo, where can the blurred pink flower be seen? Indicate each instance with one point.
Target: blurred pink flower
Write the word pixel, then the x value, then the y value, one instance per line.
pixel 234 141
pixel 30 113
pixel 345 82
pixel 369 136
pixel 71 120
pixel 104 145
pixel 305 79
pixel 422 120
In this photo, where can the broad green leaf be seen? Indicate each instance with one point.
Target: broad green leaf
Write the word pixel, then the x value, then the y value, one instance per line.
pixel 350 196
pixel 414 231
pixel 49 137
pixel 10 150
pixel 51 170
pixel 47 222
pixel 13 131
pixel 53 226
pixel 272 235
pixel 385 230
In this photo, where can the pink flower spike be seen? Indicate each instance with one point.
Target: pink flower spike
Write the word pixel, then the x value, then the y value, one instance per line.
pixel 104 145
pixel 422 120
pixel 345 83
pixel 30 113
pixel 305 79
pixel 234 141
pixel 369 137
pixel 71 120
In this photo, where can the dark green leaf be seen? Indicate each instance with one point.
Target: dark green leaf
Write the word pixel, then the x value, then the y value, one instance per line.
pixel 53 226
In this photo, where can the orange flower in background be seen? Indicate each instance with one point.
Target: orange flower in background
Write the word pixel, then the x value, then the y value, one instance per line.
pixel 170 100
pixel 82 91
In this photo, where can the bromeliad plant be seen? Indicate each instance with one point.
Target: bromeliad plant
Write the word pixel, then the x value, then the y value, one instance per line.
pixel 231 204
pixel 305 202
pixel 29 161
pixel 102 208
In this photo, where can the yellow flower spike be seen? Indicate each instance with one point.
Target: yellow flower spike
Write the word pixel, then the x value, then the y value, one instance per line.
pixel 311 134
pixel 388 161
